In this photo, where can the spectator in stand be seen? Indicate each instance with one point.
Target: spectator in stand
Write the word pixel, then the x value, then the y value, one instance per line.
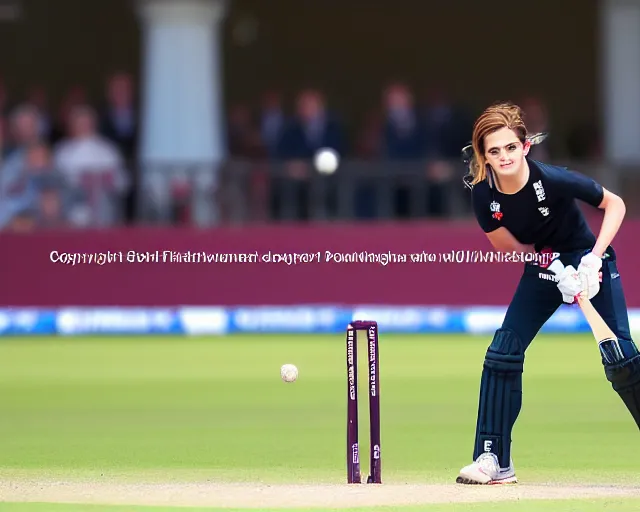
pixel 95 169
pixel 37 180
pixel 312 128
pixel 404 129
pixel 24 131
pixel 49 203
pixel 119 116
pixel 403 141
pixel 118 120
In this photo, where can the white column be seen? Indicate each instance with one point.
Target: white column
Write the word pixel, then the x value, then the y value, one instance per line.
pixel 620 75
pixel 182 83
pixel 182 121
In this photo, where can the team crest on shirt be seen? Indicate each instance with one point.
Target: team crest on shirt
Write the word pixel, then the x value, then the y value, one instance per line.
pixel 495 208
pixel 544 210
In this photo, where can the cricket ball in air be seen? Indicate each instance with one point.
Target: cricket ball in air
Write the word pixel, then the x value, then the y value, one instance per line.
pixel 326 161
pixel 289 372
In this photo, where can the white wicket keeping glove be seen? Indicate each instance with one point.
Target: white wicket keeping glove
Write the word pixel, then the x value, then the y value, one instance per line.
pixel 569 284
pixel 589 270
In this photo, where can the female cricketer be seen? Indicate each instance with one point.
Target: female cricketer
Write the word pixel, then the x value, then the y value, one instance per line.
pixel 527 206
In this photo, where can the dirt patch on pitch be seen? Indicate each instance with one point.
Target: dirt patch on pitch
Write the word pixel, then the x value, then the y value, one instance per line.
pixel 284 496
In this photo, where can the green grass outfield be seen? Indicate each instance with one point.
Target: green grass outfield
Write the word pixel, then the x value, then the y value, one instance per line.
pixel 175 409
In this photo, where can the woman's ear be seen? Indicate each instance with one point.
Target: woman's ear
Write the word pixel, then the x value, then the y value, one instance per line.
pixel 527 147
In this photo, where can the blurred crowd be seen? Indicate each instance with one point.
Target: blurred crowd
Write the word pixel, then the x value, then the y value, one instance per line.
pixel 404 126
pixel 406 132
pixel 73 167
pixel 76 166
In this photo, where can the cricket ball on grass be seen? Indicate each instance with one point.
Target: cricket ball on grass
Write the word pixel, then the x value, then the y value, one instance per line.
pixel 289 372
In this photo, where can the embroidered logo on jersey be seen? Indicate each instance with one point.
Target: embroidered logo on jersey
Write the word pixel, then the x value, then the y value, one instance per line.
pixel 495 208
pixel 544 210
pixel 537 186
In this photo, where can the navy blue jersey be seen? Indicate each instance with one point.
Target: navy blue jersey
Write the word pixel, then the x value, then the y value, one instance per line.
pixel 544 212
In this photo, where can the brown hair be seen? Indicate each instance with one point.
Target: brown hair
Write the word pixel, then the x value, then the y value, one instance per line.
pixel 494 118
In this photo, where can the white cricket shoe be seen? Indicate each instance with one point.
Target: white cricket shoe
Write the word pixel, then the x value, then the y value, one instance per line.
pixel 486 471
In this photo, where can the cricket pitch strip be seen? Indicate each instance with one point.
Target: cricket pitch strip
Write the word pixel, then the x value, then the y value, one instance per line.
pixel 247 495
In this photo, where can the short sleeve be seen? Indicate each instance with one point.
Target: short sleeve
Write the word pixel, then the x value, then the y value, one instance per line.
pixel 481 200
pixel 579 186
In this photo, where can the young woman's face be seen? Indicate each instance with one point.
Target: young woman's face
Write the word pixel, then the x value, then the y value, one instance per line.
pixel 504 152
